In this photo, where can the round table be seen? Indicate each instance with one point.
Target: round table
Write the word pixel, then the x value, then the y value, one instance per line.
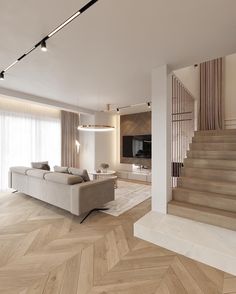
pixel 107 174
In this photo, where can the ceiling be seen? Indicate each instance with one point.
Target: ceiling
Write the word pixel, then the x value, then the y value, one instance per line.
pixel 106 55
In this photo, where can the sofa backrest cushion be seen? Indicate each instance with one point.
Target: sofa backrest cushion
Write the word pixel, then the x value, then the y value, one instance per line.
pixel 19 169
pixel 37 173
pixel 63 178
pixel 79 172
pixel 61 169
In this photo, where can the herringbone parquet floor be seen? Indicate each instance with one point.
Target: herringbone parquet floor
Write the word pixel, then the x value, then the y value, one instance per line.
pixel 46 250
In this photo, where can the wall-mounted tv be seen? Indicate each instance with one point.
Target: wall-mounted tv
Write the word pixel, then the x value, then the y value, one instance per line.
pixel 137 146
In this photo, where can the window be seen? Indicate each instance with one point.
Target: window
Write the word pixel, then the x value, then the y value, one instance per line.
pixel 26 137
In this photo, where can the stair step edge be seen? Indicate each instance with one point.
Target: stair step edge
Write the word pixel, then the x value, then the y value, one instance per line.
pixel 204 193
pixel 209 181
pixel 221 212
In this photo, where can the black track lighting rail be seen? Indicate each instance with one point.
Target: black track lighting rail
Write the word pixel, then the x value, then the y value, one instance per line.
pixel 118 109
pixel 42 42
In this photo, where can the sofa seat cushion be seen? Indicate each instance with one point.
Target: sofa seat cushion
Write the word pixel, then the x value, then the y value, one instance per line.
pixel 63 178
pixel 20 169
pixel 37 173
pixel 79 172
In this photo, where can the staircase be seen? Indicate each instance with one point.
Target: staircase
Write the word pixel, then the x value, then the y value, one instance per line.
pixel 206 190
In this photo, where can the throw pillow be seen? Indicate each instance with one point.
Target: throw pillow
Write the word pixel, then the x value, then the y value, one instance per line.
pixel 45 167
pixel 40 165
pixel 80 172
pixel 61 169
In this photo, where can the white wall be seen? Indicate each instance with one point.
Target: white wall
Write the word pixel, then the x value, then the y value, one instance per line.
pixel 161 139
pixel 87 144
pixel 190 78
pixel 17 105
pixel 230 90
pixel 106 142
pixel 100 147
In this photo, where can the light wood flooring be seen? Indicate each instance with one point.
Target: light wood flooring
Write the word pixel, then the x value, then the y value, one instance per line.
pixel 46 250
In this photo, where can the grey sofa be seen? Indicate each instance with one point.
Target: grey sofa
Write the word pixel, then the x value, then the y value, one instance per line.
pixel 62 190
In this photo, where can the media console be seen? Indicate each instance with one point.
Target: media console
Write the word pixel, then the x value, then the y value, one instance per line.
pixel 142 175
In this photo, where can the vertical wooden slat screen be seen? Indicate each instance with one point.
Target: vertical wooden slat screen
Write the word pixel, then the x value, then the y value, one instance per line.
pixel 182 126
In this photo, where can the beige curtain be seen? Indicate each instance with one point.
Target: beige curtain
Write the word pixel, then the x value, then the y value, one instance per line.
pixel 69 135
pixel 211 100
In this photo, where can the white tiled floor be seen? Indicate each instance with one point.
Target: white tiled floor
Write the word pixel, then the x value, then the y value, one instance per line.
pixel 206 243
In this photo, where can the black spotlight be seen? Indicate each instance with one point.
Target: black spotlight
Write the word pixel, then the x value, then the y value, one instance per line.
pixel 2 76
pixel 44 46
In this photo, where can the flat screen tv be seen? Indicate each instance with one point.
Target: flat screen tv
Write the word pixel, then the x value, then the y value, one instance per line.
pixel 137 146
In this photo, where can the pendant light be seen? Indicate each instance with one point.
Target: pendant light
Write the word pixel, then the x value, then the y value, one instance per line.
pixel 97 128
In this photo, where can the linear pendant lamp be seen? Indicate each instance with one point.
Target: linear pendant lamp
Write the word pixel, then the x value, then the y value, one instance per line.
pixel 42 42
pixel 95 128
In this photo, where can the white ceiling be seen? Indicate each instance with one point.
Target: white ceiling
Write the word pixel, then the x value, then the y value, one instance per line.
pixel 106 55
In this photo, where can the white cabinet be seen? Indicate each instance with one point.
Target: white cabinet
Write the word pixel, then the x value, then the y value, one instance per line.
pixel 143 175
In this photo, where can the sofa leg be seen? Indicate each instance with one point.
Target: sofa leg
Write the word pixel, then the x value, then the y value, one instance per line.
pixel 95 209
pixel 14 191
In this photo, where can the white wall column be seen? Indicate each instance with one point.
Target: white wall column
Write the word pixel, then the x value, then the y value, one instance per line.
pixel 105 142
pixel 161 138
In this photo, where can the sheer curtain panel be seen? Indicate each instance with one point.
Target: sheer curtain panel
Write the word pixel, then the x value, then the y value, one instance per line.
pixel 25 138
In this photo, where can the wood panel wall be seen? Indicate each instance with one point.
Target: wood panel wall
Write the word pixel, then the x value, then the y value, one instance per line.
pixel 132 125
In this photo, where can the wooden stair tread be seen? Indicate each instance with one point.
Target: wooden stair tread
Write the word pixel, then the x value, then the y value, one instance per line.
pixel 205 198
pixel 205 193
pixel 212 154
pixel 229 132
pixel 204 181
pixel 210 146
pixel 214 139
pixel 209 163
pixel 205 209
pixel 206 189
pixel 212 216
pixel 209 174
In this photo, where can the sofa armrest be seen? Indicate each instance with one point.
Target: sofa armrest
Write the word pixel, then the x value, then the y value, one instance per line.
pixel 89 195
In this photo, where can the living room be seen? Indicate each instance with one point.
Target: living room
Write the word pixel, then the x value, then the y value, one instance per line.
pixel 117 147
